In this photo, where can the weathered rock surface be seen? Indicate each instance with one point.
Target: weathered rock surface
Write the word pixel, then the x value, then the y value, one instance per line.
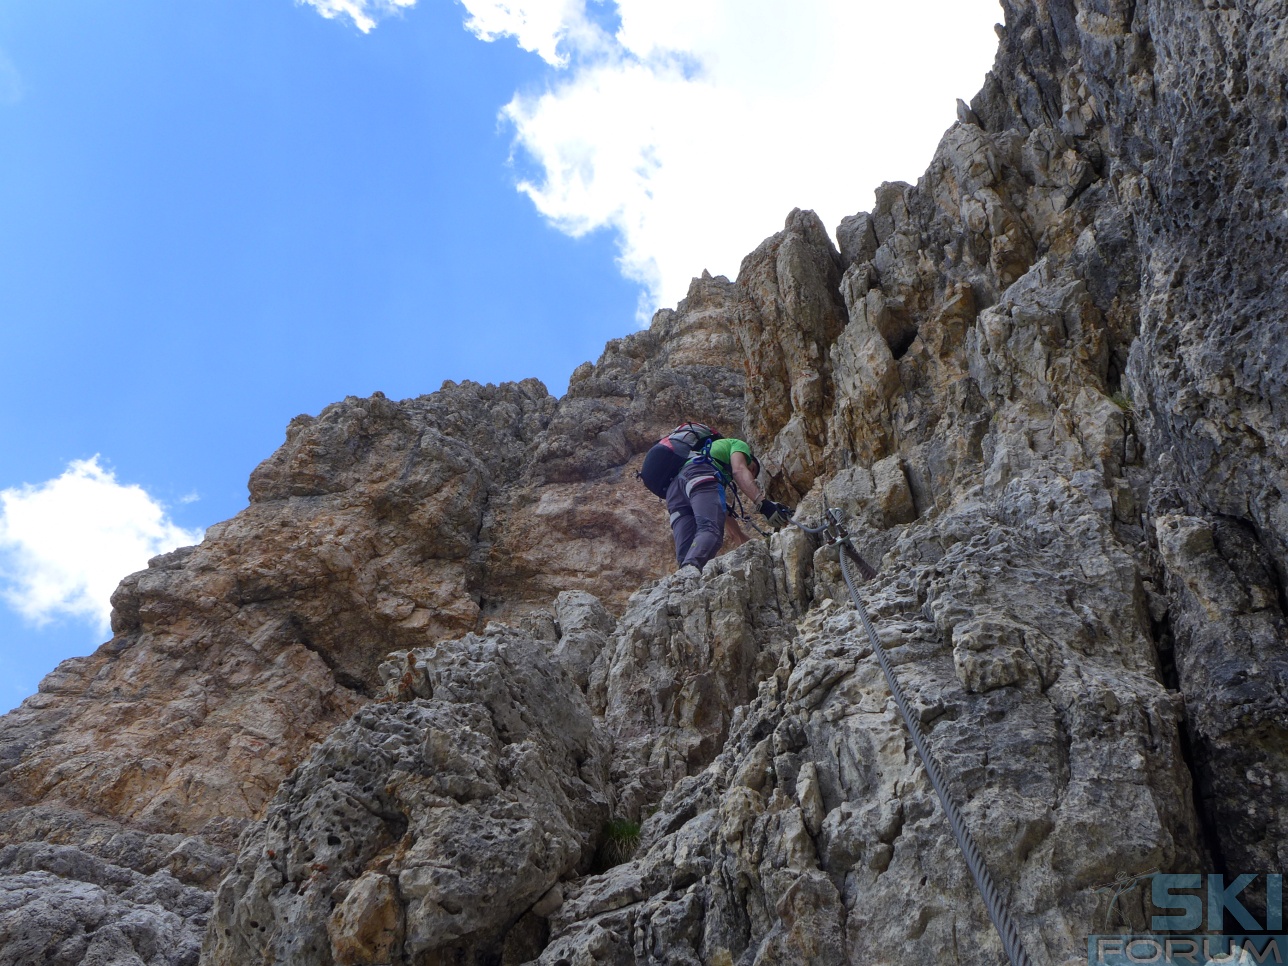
pixel 686 656
pixel 377 526
pixel 62 906
pixel 1186 107
pixel 1045 385
pixel 428 826
pixel 790 314
pixel 815 836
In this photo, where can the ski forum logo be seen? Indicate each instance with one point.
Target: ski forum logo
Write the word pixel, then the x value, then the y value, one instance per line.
pixel 1197 919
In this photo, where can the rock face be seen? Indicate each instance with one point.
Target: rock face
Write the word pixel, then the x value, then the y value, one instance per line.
pixel 429 825
pixel 815 837
pixel 434 698
pixel 685 658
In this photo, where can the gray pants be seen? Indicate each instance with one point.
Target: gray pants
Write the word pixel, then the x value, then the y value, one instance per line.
pixel 696 502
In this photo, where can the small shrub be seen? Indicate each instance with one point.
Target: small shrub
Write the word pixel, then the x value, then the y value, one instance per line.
pixel 621 839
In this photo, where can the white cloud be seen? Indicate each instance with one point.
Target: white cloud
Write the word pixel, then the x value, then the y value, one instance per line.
pixel 694 128
pixel 708 120
pixel 365 14
pixel 65 544
pixel 539 26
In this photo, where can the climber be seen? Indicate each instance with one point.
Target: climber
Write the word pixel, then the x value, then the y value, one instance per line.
pixel 696 501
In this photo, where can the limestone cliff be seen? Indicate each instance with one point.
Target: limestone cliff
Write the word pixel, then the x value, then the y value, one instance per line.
pixel 385 713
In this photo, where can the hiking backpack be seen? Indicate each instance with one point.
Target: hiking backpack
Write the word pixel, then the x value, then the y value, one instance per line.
pixel 669 454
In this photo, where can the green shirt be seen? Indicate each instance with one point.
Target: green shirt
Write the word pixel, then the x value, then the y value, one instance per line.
pixel 721 453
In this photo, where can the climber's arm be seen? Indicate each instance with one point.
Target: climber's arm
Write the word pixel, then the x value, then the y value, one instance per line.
pixel 743 478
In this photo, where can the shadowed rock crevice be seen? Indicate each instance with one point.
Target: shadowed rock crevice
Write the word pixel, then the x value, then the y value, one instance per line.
pixel 342 677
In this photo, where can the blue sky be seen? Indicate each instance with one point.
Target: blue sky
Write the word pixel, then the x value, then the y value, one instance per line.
pixel 217 214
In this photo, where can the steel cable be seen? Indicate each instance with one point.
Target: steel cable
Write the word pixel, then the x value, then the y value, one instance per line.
pixel 993 899
pixel 814 530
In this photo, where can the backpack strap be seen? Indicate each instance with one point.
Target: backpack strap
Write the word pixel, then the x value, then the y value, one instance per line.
pixel 704 456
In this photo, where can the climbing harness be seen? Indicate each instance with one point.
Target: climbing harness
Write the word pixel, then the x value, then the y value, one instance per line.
pixel 834 533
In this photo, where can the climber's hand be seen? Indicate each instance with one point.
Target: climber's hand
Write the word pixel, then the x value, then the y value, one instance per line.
pixel 777 514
